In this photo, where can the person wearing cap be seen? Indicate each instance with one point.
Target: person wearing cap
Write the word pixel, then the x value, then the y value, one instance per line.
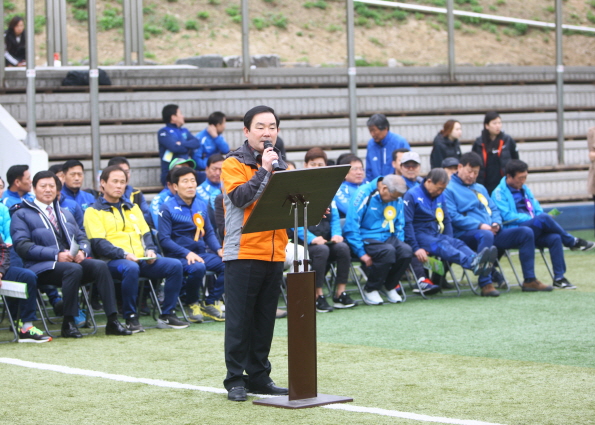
pixel 168 191
pixel 450 165
pixel 446 143
pixel 476 220
pixel 374 230
pixel 397 155
pixel 410 168
pixel 428 231
pixel 174 141
pixel 519 207
pixel 381 146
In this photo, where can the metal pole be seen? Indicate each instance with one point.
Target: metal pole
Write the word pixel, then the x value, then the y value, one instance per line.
pixel 2 50
pixel 63 33
pixel 451 39
pixel 127 33
pixel 351 75
pixel 140 37
pixel 50 25
pixel 31 119
pixel 94 92
pixel 245 41
pixel 560 82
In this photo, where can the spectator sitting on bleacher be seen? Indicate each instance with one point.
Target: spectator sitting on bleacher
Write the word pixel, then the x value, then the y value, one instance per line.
pixel 185 231
pixel 476 220
pixel 446 143
pixel 211 187
pixel 57 170
pixel 18 178
pixel 211 140
pixel 450 165
pixel 27 332
pixel 374 230
pixel 325 245
pixel 353 180
pixel 397 155
pixel 174 141
pixel 428 230
pixel 496 148
pixel 381 146
pixel 119 234
pixel 167 191
pixel 410 167
pixel 74 177
pixel 133 194
pixel 519 207
pixel 43 234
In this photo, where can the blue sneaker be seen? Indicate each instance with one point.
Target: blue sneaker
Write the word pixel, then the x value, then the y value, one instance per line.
pixel 81 319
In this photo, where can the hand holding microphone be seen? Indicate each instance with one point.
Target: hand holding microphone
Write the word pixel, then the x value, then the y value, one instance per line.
pixel 270 154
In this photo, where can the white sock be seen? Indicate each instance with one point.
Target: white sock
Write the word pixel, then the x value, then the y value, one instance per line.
pixel 26 326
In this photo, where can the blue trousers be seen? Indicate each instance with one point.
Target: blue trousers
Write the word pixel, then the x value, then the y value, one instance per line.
pixel 27 307
pixel 128 272
pixel 549 234
pixel 450 249
pixel 519 237
pixel 195 273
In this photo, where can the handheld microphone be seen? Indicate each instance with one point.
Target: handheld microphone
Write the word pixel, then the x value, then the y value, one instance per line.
pixel 275 163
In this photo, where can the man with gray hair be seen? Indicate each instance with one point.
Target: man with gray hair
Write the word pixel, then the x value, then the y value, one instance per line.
pixel 381 147
pixel 428 231
pixel 375 231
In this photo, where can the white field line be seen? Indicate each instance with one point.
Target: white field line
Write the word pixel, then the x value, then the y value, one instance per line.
pixel 168 384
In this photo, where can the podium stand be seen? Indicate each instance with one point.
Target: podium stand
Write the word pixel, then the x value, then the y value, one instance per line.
pixel 290 198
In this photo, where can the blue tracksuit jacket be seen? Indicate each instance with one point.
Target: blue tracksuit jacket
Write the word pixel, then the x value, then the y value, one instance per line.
pixel 465 209
pixel 208 146
pixel 504 199
pixel 207 191
pixel 365 218
pixel 84 199
pixel 177 228
pixel 156 203
pixel 344 195
pixel 379 159
pixel 178 142
pixel 10 198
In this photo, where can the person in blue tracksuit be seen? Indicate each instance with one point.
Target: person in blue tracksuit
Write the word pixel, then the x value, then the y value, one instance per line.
pixel 476 220
pixel 374 230
pixel 74 177
pixel 381 147
pixel 428 230
pixel 185 232
pixel 174 141
pixel 211 187
pixel 353 180
pixel 211 140
pixel 519 207
pixel 410 165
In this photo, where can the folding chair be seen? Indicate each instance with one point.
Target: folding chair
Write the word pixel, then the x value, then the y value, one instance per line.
pixel 11 324
pixel 415 286
pixel 516 275
pixel 358 274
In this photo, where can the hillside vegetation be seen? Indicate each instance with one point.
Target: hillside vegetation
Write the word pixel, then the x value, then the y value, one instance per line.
pixel 313 32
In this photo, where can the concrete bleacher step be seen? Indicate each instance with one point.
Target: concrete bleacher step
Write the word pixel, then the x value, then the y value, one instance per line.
pixel 185 75
pixel 143 106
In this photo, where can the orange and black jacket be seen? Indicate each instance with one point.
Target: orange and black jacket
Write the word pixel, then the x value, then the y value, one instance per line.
pixel 495 155
pixel 243 181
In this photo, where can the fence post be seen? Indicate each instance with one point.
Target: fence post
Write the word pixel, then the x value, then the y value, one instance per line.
pixel 560 82
pixel 351 75
pixel 32 142
pixel 451 39
pixel 94 92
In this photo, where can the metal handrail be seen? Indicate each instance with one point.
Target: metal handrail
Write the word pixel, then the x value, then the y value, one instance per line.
pixel 483 16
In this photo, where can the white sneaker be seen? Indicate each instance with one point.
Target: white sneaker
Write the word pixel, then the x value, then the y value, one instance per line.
pixel 392 296
pixel 372 298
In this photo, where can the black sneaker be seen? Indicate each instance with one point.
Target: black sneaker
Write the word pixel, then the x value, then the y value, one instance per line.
pixel 322 305
pixel 343 301
pixel 33 335
pixel 582 245
pixel 170 321
pixel 563 284
pixel 133 325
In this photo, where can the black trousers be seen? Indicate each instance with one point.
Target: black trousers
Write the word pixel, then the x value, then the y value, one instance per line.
pixel 70 275
pixel 322 255
pixel 390 260
pixel 252 290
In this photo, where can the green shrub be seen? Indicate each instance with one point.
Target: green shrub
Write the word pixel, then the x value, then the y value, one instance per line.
pixel 171 23
pixel 150 55
pixel 8 5
pixel 151 29
pixel 477 9
pixel 204 15
pixel 111 19
pixel 591 17
pixel 191 25
pixel 80 15
pixel 399 15
pixel 237 19
pixel 215 2
pixel 279 20
pixel 233 10
pixel 320 4
pixel 521 29
pixel 39 23
pixel 260 23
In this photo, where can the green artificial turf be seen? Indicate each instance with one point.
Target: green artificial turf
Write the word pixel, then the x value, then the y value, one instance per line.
pixel 522 358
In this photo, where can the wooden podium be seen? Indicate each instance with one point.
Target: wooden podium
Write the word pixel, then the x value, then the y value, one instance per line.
pixel 290 198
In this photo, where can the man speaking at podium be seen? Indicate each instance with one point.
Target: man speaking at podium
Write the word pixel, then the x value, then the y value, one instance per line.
pixel 253 261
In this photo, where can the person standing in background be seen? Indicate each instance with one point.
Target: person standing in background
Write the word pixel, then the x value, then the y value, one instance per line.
pixel 591 179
